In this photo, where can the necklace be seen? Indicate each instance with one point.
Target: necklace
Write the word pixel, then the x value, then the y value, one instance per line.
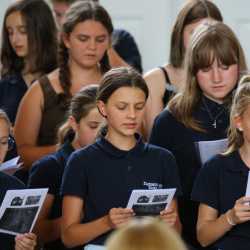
pixel 213 118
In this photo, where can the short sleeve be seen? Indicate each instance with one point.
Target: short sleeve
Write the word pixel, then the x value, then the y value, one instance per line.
pixel 45 173
pixel 206 186
pixel 171 176
pixel 74 181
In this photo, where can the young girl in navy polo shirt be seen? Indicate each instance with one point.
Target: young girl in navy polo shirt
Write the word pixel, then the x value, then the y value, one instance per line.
pixel 213 62
pixel 220 188
pixel 25 241
pixel 81 129
pixel 99 179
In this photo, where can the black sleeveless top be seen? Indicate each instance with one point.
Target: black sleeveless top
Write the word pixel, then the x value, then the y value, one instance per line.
pixel 170 88
pixel 53 115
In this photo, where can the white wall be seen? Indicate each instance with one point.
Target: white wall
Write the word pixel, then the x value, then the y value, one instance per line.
pixel 150 23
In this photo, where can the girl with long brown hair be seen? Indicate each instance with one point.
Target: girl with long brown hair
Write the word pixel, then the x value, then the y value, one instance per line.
pixel 213 63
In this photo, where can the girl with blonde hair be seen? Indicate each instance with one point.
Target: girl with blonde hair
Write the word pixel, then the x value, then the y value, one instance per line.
pixel 213 62
pixel 145 233
pixel 220 188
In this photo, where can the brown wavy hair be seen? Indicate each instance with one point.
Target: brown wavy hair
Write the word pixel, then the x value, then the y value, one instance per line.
pixel 191 12
pixel 42 38
pixel 210 41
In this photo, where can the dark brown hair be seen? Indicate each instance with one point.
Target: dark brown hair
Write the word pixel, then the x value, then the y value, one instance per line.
pixel 42 38
pixel 78 12
pixel 120 77
pixel 192 11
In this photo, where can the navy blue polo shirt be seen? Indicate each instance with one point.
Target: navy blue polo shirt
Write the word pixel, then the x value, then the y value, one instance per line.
pixel 47 173
pixel 173 135
pixel 7 242
pixel 125 45
pixel 12 89
pixel 104 176
pixel 221 182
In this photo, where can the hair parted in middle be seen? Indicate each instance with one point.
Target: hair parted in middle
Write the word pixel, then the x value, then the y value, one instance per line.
pixel 78 12
pixel 241 102
pixel 210 41
pixel 120 77
pixel 42 38
pixel 191 12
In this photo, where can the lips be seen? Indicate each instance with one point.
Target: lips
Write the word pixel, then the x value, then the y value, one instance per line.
pixel 130 125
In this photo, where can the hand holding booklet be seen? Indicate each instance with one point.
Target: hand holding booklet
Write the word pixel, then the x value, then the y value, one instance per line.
pixel 19 210
pixel 150 202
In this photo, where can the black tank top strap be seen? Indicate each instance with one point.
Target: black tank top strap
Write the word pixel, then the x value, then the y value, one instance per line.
pixel 164 71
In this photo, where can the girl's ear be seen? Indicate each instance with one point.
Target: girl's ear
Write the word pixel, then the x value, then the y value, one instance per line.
pixel 65 39
pixel 102 108
pixel 72 122
pixel 238 122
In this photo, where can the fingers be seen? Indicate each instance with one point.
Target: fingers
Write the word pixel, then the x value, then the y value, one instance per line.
pixel 169 216
pixel 119 216
pixel 25 241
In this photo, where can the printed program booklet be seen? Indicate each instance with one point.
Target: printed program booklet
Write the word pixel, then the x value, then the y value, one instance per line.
pixel 207 149
pixel 150 202
pixel 19 210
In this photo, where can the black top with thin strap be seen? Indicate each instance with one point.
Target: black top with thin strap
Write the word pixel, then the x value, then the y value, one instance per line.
pixel 53 115
pixel 170 88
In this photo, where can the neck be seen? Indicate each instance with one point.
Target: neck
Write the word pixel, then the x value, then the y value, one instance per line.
pixel 83 76
pixel 245 153
pixel 122 142
pixel 75 144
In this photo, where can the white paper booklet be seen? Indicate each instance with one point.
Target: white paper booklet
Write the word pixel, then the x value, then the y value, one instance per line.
pixel 208 149
pixel 10 166
pixel 94 247
pixel 150 202
pixel 248 185
pixel 19 210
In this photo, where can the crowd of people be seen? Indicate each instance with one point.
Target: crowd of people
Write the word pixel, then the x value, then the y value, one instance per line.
pixel 91 128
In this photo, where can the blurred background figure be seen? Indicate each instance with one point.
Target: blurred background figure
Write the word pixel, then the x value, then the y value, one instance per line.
pixel 123 50
pixel 145 233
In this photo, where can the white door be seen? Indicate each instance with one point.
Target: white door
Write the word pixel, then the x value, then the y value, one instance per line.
pixel 150 23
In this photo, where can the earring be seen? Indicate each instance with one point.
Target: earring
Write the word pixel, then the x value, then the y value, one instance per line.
pixel 240 129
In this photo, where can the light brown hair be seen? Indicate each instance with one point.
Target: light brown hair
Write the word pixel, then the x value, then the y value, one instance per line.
pixel 210 41
pixel 241 102
pixel 192 11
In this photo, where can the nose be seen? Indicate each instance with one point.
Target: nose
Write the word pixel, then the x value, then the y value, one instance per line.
pixel 216 74
pixel 92 44
pixel 131 113
pixel 14 37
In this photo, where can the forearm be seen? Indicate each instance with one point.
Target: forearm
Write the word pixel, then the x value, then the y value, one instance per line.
pixel 52 226
pixel 79 234
pixel 29 154
pixel 209 232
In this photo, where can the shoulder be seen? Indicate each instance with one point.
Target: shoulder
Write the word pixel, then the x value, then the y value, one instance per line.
pixel 158 151
pixel 122 34
pixel 9 182
pixel 217 165
pixel 44 166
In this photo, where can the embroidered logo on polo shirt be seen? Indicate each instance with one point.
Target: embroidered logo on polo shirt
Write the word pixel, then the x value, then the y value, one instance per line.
pixel 152 185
